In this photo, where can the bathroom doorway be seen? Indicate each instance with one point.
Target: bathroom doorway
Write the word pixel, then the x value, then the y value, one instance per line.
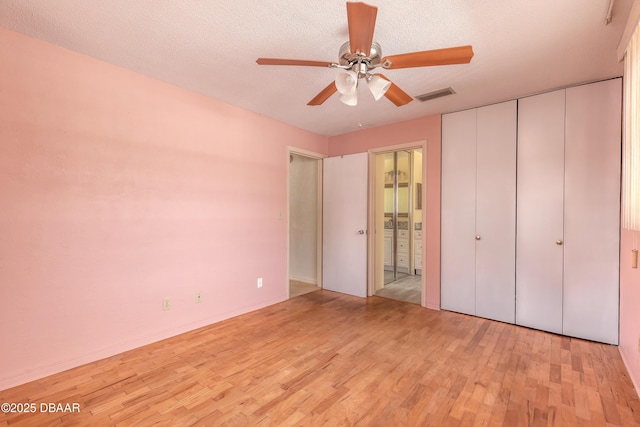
pixel 398 213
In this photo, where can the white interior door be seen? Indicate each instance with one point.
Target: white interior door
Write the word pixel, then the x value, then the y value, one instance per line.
pixel 496 212
pixel 345 224
pixel 539 262
pixel 458 286
pixel 592 211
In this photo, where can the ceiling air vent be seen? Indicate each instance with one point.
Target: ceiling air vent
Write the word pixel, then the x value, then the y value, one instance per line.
pixel 436 94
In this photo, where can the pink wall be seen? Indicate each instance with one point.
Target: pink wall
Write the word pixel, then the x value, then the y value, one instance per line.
pixel 425 128
pixel 629 309
pixel 117 190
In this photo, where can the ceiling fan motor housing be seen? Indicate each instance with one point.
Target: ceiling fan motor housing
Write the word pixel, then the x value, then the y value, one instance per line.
pixel 355 61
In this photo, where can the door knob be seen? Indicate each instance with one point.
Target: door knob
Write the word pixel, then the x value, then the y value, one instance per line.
pixel 477 237
pixel 360 231
pixel 558 242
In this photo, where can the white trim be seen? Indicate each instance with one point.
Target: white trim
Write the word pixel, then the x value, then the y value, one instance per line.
pixel 391 148
pixel 305 280
pixel 628 365
pixel 302 152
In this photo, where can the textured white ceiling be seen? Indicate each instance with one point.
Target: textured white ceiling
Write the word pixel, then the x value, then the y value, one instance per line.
pixel 210 46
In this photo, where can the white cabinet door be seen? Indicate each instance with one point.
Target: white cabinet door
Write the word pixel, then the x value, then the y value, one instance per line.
pixel 592 211
pixel 344 243
pixel 496 211
pixel 388 249
pixel 457 291
pixel 540 186
pixel 417 244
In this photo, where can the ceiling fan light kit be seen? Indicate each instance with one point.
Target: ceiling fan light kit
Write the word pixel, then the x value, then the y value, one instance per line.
pixel 361 54
pixel 350 99
pixel 347 85
pixel 347 82
pixel 378 86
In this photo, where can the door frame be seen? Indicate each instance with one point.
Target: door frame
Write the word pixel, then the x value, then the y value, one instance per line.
pixel 373 152
pixel 319 157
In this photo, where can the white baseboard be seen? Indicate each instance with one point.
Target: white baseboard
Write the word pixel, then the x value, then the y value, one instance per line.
pixel 306 280
pixel 627 364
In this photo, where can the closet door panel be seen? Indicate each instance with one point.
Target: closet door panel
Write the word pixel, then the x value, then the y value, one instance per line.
pixel 592 211
pixel 496 211
pixel 539 260
pixel 458 212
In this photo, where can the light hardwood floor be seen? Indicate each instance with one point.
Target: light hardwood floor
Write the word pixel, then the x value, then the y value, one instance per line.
pixel 330 359
pixel 297 288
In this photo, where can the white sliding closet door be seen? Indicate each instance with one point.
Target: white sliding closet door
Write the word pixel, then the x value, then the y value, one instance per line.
pixel 496 211
pixel 592 211
pixel 458 212
pixel 539 249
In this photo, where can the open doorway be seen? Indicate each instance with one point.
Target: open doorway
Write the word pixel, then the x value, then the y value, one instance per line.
pixel 305 223
pixel 398 219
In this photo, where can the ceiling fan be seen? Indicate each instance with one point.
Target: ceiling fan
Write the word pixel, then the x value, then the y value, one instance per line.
pixel 361 54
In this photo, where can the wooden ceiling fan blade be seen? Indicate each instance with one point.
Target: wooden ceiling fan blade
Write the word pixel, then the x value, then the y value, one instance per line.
pixel 361 18
pixel 300 62
pixel 448 56
pixel 395 94
pixel 324 94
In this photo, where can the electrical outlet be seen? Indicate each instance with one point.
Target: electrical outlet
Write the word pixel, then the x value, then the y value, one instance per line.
pixel 166 303
pixel 198 297
pixel 259 282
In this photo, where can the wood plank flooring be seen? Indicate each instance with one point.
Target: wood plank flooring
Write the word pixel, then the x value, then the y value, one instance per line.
pixel 329 359
pixel 297 288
